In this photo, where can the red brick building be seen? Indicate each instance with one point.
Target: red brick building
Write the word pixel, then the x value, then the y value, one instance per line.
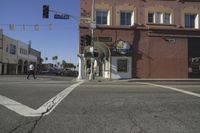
pixel 143 38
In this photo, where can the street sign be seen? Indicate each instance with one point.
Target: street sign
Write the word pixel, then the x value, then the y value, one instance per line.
pixel 93 25
pixel 61 16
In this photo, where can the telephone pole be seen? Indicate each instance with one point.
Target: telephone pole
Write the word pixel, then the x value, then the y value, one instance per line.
pixel 92 26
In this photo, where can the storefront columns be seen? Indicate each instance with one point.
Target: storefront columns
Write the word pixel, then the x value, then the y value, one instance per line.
pixel 80 61
pixel 16 69
pixel 5 68
pixel 107 69
pixel 22 67
pixel 1 68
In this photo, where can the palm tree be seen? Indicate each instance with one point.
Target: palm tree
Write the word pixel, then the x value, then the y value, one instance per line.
pixel 63 64
pixel 55 58
pixel 46 58
pixel 58 63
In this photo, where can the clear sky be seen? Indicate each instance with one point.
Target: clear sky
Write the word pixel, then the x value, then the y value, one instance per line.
pixel 61 41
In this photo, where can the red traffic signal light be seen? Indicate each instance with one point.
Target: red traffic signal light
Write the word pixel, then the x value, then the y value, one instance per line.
pixel 45 13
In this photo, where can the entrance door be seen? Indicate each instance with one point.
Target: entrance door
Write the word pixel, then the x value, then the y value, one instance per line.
pixel 194 57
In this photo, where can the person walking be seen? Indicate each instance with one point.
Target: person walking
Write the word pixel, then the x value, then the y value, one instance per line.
pixel 31 71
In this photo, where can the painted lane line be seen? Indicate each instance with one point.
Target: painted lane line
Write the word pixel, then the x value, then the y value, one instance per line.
pixel 172 88
pixel 53 102
pixel 45 109
pixel 16 106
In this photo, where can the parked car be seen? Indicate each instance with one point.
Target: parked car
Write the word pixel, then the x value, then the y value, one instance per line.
pixel 50 71
pixel 68 72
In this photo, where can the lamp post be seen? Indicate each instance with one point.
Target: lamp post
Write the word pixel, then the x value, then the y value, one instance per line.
pixel 92 26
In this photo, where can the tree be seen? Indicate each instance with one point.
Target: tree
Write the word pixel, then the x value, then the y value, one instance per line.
pixel 55 58
pixel 46 58
pixel 58 63
pixel 67 65
pixel 63 64
pixel 41 60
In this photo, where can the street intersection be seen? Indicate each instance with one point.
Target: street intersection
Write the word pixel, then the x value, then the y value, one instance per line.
pixel 65 105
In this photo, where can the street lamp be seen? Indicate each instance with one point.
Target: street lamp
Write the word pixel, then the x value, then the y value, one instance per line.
pixel 92 26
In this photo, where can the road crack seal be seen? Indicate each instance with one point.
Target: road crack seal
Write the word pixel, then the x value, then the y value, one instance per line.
pixel 35 122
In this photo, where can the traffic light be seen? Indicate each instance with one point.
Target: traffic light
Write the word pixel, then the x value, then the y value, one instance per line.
pixel 96 54
pixel 89 54
pixel 45 13
pixel 88 39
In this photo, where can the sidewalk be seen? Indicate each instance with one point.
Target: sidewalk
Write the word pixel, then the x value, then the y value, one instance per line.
pixel 164 79
pixel 101 79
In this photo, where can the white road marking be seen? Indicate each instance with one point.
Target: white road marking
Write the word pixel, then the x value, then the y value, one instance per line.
pixel 172 88
pixel 45 109
pixel 17 107
pixel 53 102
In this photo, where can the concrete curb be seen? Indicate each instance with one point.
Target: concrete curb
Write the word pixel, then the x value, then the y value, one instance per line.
pixel 163 80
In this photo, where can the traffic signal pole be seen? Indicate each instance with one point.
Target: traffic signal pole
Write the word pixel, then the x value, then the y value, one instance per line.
pixel 60 15
pixel 91 76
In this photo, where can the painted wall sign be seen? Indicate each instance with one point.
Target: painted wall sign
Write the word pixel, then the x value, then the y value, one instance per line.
pixel 122 48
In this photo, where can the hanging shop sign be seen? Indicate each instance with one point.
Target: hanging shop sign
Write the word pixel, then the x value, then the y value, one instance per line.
pixel 122 48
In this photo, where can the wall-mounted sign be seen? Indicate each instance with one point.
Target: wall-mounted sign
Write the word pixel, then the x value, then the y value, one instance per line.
pixel 103 39
pixel 122 48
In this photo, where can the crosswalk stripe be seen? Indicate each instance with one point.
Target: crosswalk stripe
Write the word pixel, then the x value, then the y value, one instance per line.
pixel 45 109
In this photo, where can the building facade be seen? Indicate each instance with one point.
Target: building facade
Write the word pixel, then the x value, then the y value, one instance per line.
pixel 1 50
pixel 23 57
pixel 15 55
pixel 35 57
pixel 143 38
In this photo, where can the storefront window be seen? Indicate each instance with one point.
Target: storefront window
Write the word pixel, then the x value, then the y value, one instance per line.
pixel 125 17
pixel 7 48
pixel 122 65
pixel 191 21
pixel 150 17
pixel 159 18
pixel 166 18
pixel 12 49
pixel 102 17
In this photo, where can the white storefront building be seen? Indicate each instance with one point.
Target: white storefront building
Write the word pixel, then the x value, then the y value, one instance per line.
pixel 14 55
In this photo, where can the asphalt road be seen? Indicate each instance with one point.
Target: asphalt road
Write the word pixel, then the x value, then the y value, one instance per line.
pixel 100 106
